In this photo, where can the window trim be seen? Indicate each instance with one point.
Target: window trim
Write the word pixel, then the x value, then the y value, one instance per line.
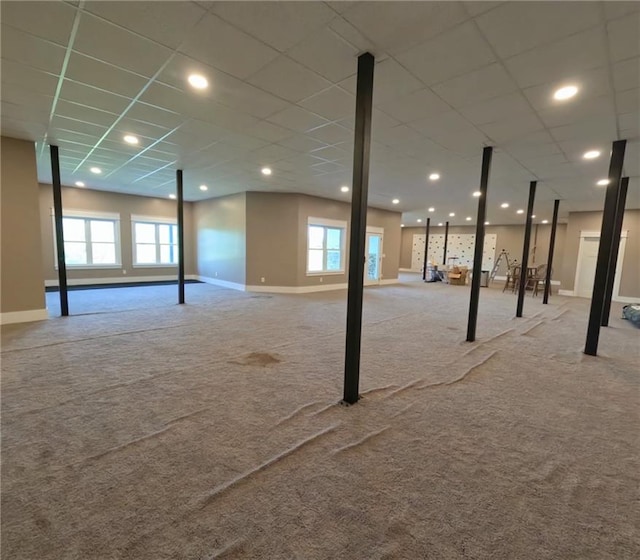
pixel 328 223
pixel 89 215
pixel 154 220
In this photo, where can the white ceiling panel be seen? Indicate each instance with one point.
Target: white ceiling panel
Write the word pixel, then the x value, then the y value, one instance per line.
pixel 98 98
pixel 21 96
pixel 590 129
pixel 84 113
pixel 168 26
pixel 28 78
pixel 628 101
pixel 506 130
pixel 302 143
pixel 580 109
pixel 450 54
pixel 288 79
pixel 624 37
pixel 27 49
pixel 332 133
pixel 477 7
pixel 626 74
pixel 333 103
pixel 614 10
pixel 416 105
pixel 297 119
pixel 497 109
pixel 48 20
pixel 515 27
pixel 629 125
pixel 217 43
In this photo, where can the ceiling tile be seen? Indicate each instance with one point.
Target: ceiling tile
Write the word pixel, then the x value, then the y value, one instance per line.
pixel 29 78
pixel 614 10
pixel 416 105
pixel 288 79
pixel 97 98
pixel 20 96
pixel 64 123
pixel 217 43
pixel 450 54
pixel 561 60
pixel 25 130
pixel 600 129
pixel 479 85
pixel 578 110
pixel 31 51
pixel 629 125
pixel 333 103
pixel 624 34
pixel 628 101
pixel 496 109
pixel 505 130
pixel 331 134
pixel 53 22
pixel 475 7
pixel 626 74
pixel 84 113
pixel 114 45
pixel 302 143
pixel 269 131
pixel 296 119
pixel 168 26
pixel 278 24
pixel 154 115
pixel 515 27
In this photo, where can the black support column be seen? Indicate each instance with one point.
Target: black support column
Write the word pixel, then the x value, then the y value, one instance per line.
pixel 446 240
pixel 525 249
pixel 180 236
pixel 487 153
pixel 426 249
pixel 57 212
pixel 615 249
pixel 360 186
pixel 552 242
pixel 604 249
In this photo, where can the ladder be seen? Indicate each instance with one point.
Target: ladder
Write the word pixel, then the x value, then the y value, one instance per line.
pixel 498 262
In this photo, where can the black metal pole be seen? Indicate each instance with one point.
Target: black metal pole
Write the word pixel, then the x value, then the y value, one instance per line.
pixel 446 240
pixel 180 236
pixel 522 288
pixel 57 213
pixel 604 249
pixel 487 153
pixel 360 186
pixel 426 249
pixel 615 248
pixel 552 242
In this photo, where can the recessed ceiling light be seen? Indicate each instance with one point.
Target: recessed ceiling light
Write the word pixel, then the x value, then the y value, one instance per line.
pixel 266 171
pixel 591 154
pixel 96 170
pixel 520 211
pixel 396 201
pixel 545 221
pixel 477 194
pixel 432 209
pixel 603 182
pixel 204 188
pixel 440 224
pixel 468 218
pixel 401 225
pixel 172 196
pixel 344 188
pixel 419 220
pixel 566 92
pixel 131 139
pixel 486 223
pixel 434 176
pixel 504 205
pixel 452 214
pixel 79 184
pixel 533 216
pixel 198 81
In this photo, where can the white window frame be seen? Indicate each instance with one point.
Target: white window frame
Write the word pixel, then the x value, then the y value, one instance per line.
pixel 89 215
pixel 337 224
pixel 155 220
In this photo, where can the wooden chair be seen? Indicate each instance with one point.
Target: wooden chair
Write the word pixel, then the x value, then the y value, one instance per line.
pixel 513 277
pixel 540 278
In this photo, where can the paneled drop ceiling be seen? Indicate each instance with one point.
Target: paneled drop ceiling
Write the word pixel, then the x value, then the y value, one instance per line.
pixel 450 78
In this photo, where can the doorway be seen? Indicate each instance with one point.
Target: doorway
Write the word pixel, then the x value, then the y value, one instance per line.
pixel 373 257
pixel 587 259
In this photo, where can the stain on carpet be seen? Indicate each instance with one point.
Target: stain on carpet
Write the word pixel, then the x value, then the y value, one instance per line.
pixel 262 359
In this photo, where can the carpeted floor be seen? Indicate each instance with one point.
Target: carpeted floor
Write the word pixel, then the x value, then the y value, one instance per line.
pixel 212 430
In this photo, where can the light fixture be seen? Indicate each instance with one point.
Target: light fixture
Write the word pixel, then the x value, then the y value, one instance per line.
pixel 198 81
pixel 603 182
pixel 131 139
pixel 96 170
pixel 172 196
pixel 419 220
pixel 79 184
pixel 565 92
pixel 486 223
pixel 504 205
pixel 591 154
pixel 204 188
pixel 401 225
pixel 440 224
pixel 266 171
pixel 520 211
pixel 452 214
pixel 432 209
pixel 545 221
pixel 533 216
pixel 468 218
pixel 344 188
pixel 434 176
pixel 477 194
pixel 395 201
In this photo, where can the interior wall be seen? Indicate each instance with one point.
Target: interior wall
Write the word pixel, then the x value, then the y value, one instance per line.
pixel 592 221
pixel 126 205
pixel 22 275
pixel 221 230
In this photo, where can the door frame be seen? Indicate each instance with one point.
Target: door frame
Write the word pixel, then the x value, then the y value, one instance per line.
pixel 618 272
pixel 375 231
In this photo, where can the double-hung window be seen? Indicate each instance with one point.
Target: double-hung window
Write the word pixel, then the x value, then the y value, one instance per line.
pixel 325 246
pixel 155 241
pixel 91 239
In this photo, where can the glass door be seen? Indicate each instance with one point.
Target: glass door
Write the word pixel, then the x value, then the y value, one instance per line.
pixel 373 253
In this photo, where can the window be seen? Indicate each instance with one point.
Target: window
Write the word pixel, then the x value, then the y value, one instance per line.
pixel 90 240
pixel 155 241
pixel 325 246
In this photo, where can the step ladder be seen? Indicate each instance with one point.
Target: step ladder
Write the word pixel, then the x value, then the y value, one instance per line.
pixel 496 266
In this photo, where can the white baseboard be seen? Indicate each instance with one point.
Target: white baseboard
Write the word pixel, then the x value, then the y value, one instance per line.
pixel 23 316
pixel 222 283
pixel 618 299
pixel 504 279
pixel 569 293
pixel 386 281
pixel 409 270
pixel 296 289
pixel 117 280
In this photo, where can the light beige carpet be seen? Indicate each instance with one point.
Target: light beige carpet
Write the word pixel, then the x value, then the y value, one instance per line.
pixel 211 430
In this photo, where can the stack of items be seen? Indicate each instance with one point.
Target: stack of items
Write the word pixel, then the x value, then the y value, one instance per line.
pixel 458 275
